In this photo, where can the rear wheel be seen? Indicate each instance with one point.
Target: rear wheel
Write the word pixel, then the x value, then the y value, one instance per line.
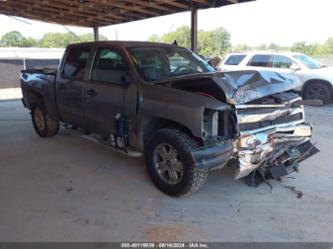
pixel 169 165
pixel 318 90
pixel 43 124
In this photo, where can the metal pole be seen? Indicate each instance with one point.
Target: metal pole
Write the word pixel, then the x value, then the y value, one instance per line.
pixel 96 34
pixel 194 29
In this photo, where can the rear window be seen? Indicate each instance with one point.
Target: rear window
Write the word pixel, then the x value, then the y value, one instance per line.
pixel 76 62
pixel 235 59
pixel 261 60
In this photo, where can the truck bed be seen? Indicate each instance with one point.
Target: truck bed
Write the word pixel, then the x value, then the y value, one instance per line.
pixel 39 82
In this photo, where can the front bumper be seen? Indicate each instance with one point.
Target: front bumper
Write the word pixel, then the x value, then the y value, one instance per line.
pixel 212 157
pixel 275 152
pixel 284 146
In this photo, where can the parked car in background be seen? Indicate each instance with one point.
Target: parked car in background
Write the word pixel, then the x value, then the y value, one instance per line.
pixel 316 78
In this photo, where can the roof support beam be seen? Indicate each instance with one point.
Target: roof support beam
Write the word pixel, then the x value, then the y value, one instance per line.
pixel 96 34
pixel 194 29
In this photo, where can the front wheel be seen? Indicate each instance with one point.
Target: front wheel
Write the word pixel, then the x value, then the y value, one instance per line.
pixel 44 125
pixel 169 165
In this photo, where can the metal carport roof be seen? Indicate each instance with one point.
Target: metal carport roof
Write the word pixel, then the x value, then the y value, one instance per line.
pixel 98 13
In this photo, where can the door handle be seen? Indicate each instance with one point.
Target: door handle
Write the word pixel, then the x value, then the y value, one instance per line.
pixel 62 86
pixel 91 92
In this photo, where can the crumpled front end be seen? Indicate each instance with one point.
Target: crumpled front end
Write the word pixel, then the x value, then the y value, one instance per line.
pixel 264 131
pixel 273 136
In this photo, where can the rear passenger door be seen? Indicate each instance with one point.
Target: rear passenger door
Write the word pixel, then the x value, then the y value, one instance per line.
pixel 283 64
pixel 109 92
pixel 261 61
pixel 70 84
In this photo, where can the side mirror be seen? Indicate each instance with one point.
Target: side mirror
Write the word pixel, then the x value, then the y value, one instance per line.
pixel 295 67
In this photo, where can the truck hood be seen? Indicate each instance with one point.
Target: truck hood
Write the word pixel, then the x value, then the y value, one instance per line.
pixel 245 86
pixel 239 87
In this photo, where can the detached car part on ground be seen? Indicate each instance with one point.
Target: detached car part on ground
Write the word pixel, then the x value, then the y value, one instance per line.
pixel 186 119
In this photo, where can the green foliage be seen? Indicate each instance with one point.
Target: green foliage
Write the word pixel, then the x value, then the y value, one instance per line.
pixel 61 40
pixel 329 46
pixel 312 49
pixel 49 40
pixel 210 43
pixel 15 39
pixel 303 47
pixel 182 35
pixel 154 38
pixel 57 40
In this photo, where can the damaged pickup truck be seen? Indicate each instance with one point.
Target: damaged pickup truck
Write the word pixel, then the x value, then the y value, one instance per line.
pixel 166 102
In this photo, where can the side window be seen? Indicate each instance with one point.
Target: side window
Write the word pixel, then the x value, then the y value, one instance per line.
pixel 235 59
pixel 261 60
pixel 76 62
pixel 281 61
pixel 109 66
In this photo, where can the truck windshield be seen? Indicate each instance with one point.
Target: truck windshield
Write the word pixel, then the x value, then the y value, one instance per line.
pixel 160 63
pixel 308 61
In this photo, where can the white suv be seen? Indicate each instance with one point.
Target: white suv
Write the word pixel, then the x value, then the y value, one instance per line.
pixel 316 78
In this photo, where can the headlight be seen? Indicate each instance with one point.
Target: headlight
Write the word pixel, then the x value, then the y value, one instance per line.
pixel 251 141
pixel 248 141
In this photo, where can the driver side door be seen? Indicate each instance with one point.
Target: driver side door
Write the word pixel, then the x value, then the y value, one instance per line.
pixel 107 93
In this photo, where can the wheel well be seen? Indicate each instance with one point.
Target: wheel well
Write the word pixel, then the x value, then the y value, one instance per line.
pixel 151 125
pixel 34 99
pixel 309 82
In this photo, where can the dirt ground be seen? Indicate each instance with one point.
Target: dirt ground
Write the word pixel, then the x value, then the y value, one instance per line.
pixel 68 188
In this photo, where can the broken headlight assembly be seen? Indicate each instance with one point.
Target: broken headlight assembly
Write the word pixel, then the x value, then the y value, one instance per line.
pixel 210 123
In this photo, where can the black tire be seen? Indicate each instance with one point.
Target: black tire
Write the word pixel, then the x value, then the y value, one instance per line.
pixel 318 90
pixel 192 177
pixel 44 125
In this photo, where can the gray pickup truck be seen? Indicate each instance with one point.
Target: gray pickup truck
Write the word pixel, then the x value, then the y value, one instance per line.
pixel 166 102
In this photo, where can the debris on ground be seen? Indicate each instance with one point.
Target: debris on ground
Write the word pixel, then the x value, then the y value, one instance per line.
pixel 293 189
pixel 69 189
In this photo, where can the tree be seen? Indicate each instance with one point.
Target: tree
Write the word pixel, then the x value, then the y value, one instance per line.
pixel 182 35
pixel 61 40
pixel 328 46
pixel 154 38
pixel 28 42
pixel 210 43
pixel 220 41
pixel 49 40
pixel 312 49
pixel 15 39
pixel 241 48
pixel 90 37
pixel 57 40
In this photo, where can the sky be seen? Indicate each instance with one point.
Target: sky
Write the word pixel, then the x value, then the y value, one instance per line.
pixel 263 21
